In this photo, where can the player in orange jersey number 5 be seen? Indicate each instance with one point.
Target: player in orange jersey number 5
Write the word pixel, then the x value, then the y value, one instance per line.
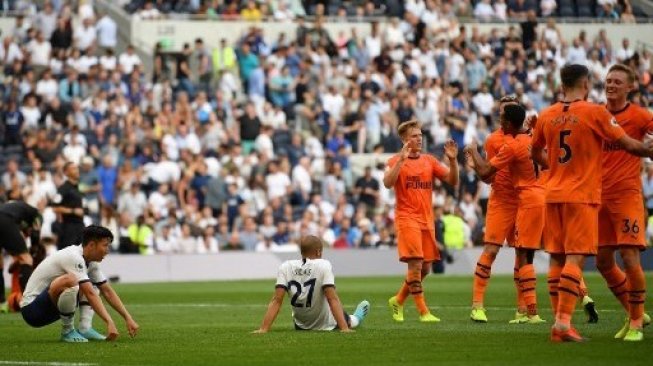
pixel 412 174
pixel 573 131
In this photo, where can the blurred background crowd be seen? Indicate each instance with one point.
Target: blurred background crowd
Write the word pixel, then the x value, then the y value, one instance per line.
pixel 248 145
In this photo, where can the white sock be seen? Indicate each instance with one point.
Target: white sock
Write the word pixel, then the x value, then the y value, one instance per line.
pixel 67 304
pixel 86 312
pixel 353 321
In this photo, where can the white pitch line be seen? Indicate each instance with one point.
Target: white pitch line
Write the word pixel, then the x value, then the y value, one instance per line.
pixel 223 305
pixel 38 363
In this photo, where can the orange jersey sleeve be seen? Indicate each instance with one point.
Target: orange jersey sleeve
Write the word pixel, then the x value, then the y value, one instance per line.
pixel 573 134
pixel 515 155
pixel 621 169
pixel 501 184
pixel 414 187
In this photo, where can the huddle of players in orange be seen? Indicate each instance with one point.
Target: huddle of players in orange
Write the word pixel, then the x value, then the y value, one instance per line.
pixel 568 181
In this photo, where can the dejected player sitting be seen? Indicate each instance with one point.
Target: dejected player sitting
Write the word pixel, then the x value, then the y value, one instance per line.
pixel 311 286
pixel 53 289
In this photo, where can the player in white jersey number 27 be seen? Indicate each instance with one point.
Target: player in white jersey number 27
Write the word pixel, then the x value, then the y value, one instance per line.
pixel 311 286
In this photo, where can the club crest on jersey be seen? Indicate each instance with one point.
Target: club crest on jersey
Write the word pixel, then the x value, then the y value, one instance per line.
pixel 613 122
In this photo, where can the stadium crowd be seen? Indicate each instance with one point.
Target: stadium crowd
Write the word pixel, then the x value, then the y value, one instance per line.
pixel 250 145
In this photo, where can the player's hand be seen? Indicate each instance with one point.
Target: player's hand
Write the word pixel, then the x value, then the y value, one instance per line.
pixel 112 332
pixel 405 151
pixel 531 121
pixel 470 147
pixel 132 327
pixel 259 331
pixel 451 149
pixel 78 211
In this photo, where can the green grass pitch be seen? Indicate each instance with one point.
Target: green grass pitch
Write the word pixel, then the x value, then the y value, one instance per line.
pixel 209 323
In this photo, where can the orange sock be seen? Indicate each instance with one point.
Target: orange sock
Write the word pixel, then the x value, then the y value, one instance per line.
pixel 403 293
pixel 568 293
pixel 582 289
pixel 618 284
pixel 636 295
pixel 414 281
pixel 481 278
pixel 521 304
pixel 553 279
pixel 527 281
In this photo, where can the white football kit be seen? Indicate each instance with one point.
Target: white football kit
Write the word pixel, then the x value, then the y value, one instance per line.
pixel 67 260
pixel 305 280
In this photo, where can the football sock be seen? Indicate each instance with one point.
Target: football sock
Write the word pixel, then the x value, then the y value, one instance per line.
pixel 521 304
pixel 553 279
pixel 618 284
pixel 403 293
pixel 86 312
pixel 414 280
pixel 67 304
pixel 353 321
pixel 527 281
pixel 25 271
pixel 2 286
pixel 636 295
pixel 568 294
pixel 481 278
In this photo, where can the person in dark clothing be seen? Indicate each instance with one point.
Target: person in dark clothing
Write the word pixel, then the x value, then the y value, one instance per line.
pixel 18 220
pixel 68 205
pixel 367 190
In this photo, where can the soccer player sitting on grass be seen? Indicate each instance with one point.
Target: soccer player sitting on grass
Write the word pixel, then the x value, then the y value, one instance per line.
pixel 53 289
pixel 310 284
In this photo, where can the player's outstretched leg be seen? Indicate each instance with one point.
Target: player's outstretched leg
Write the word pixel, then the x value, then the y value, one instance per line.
pixel 360 314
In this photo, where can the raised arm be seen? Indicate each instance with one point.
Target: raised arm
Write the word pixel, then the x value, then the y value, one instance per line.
pixel 481 166
pixel 273 310
pixel 390 176
pixel 451 152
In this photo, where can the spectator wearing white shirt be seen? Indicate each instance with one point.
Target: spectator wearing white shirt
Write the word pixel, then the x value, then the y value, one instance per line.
pixel 159 200
pixel 107 32
pixel 484 11
pixel 9 52
pixel 108 61
pixel 263 142
pixel 207 243
pixel 31 113
pixel 500 10
pixel 393 35
pixel 39 49
pixel 373 41
pixel 46 20
pixel 132 202
pixel 85 35
pixel 187 139
pixel 166 242
pixel 625 52
pixel 301 178
pixel 165 171
pixel 484 103
pixel 333 102
pixel 576 53
pixel 548 7
pixel 128 60
pixel 47 87
pixel 277 182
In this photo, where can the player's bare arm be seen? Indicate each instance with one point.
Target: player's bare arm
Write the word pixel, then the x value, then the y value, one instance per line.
pixel 538 155
pixel 451 152
pixel 114 300
pixel 273 310
pixel 481 166
pixel 636 147
pixel 94 300
pixel 336 309
pixel 390 176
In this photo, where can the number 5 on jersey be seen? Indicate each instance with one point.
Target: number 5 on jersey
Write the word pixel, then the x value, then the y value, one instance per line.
pixel 564 146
